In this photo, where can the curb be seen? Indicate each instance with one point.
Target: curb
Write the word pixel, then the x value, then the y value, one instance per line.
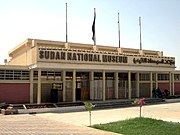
pixel 52 110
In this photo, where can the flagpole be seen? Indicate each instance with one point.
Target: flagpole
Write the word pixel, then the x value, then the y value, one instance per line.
pixel 140 33
pixel 66 25
pixel 119 32
pixel 94 27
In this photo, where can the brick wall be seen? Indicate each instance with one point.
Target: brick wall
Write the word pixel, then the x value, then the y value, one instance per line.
pixel 15 92
pixel 177 88
pixel 163 86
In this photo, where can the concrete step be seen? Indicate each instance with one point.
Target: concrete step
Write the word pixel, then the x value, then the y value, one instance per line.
pixel 154 100
pixel 125 103
pixel 113 104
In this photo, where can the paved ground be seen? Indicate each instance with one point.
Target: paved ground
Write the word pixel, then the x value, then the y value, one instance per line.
pixel 35 125
pixel 167 112
pixel 76 123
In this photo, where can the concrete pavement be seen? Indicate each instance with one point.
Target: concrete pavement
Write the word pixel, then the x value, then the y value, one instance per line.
pixel 26 124
pixel 166 112
pixel 75 123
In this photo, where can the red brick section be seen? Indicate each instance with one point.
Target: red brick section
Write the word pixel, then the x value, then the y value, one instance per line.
pixel 163 86
pixel 177 88
pixel 14 92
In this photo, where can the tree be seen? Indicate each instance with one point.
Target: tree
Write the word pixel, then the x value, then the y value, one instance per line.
pixel 89 107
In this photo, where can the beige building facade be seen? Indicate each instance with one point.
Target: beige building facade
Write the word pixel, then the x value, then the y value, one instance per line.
pixel 70 72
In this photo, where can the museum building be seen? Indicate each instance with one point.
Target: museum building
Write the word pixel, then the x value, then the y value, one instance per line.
pixel 43 71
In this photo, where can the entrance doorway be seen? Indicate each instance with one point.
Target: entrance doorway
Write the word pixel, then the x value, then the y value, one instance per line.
pixel 78 90
pixel 82 86
pixel 56 93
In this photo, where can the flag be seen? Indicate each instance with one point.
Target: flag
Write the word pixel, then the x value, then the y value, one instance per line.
pixel 93 28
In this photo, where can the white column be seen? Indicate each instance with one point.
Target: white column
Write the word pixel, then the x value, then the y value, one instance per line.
pixel 74 86
pixel 91 85
pixel 170 81
pixel 116 84
pixel 137 84
pixel 129 85
pixel 104 86
pixel 39 87
pixel 172 84
pixel 64 84
pixel 156 81
pixel 151 84
pixel 31 85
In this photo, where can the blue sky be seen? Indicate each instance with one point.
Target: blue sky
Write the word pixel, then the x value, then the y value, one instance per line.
pixel 45 19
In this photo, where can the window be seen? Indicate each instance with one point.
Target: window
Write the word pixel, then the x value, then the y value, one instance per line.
pixel 110 76
pixel 25 75
pixel 57 75
pixel 9 75
pixel 144 76
pixel 2 74
pixel 17 75
pixel 51 75
pixel 85 83
pixel 177 77
pixel 44 73
pixel 123 76
pixel 98 75
pixel 35 75
pixel 122 84
pixel 163 77
pixel 14 75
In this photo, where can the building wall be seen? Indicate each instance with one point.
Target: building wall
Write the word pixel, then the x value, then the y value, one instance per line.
pixel 163 86
pixel 26 56
pixel 29 57
pixel 14 92
pixel 20 60
pixel 104 58
pixel 33 56
pixel 177 88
